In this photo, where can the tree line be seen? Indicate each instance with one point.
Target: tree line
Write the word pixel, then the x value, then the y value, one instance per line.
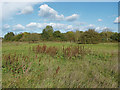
pixel 48 34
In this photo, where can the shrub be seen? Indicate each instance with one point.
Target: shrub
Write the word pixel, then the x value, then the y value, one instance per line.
pixel 74 51
pixel 52 51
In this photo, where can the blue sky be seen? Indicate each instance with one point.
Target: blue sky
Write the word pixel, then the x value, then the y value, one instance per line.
pixel 63 16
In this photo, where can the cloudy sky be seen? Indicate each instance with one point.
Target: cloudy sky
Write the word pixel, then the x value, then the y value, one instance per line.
pixel 64 16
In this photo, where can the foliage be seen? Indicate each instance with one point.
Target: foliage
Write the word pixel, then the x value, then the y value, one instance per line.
pixel 70 36
pixel 18 37
pixel 105 36
pixel 90 37
pixel 115 37
pixel 57 36
pixel 9 36
pixel 48 34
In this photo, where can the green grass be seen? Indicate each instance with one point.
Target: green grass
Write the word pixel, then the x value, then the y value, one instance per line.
pixel 97 69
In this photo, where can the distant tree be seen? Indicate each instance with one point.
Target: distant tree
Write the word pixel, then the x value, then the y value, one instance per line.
pixel 63 37
pixel 77 35
pixel 9 36
pixel 25 36
pixel 18 37
pixel 105 36
pixel 34 37
pixel 57 35
pixel 70 36
pixel 30 37
pixel 115 36
pixel 47 33
pixel 90 37
pixel 80 38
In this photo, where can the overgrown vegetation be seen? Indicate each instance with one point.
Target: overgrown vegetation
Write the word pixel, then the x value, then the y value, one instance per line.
pixel 48 34
pixel 68 52
pixel 59 65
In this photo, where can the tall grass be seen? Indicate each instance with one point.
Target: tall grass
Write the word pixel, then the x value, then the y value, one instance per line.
pixel 59 65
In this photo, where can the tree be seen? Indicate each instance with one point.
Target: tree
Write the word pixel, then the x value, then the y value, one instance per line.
pixel 57 35
pixel 18 37
pixel 47 33
pixel 70 36
pixel 105 36
pixel 34 37
pixel 90 37
pixel 115 36
pixel 63 37
pixel 77 35
pixel 25 36
pixel 9 36
pixel 30 37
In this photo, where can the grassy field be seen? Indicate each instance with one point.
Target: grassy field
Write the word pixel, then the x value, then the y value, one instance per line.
pixel 24 66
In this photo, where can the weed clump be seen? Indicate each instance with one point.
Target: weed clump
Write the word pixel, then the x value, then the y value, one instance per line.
pixel 12 63
pixel 74 51
pixel 68 52
pixel 52 51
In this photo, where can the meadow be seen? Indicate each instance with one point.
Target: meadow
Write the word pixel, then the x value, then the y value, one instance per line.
pixel 59 65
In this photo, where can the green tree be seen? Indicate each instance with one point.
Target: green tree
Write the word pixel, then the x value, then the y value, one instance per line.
pixel 70 36
pixel 105 36
pixel 77 36
pixel 18 37
pixel 57 35
pixel 63 37
pixel 47 33
pixel 25 36
pixel 90 37
pixel 30 37
pixel 115 36
pixel 9 36
pixel 34 37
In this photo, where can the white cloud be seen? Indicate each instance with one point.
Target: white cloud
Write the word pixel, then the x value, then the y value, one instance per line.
pixel 56 26
pixel 18 27
pixel 99 20
pixel 31 25
pixel 65 27
pixel 9 9
pixel 101 29
pixel 72 17
pixel 38 27
pixel 6 27
pixel 60 26
pixel 117 20
pixel 51 14
pixel 98 29
pixel 34 25
pixel 77 23
pixel 90 26
pixel 106 29
pixel 26 10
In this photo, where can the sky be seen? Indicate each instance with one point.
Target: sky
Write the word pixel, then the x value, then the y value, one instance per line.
pixel 33 17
